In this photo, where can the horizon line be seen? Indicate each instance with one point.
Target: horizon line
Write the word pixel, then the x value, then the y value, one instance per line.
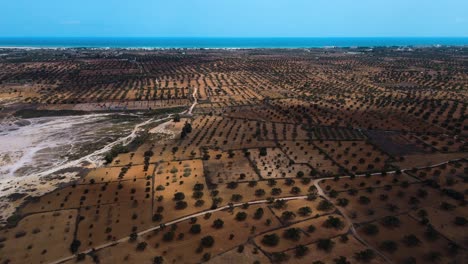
pixel 228 37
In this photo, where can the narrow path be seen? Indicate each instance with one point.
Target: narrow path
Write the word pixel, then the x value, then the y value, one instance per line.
pixel 126 140
pixel 195 101
pixel 185 218
pixel 95 157
pixel 352 229
pixel 315 182
pixel 346 217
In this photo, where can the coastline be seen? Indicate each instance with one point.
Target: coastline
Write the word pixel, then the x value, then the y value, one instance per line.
pixel 230 49
pixel 179 43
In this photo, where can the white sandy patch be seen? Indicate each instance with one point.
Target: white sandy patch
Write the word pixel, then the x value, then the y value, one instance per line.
pixel 30 145
pixel 166 128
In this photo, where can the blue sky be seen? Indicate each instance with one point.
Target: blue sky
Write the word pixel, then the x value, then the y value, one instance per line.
pixel 234 18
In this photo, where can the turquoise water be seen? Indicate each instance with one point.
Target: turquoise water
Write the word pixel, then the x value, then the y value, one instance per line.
pixel 135 42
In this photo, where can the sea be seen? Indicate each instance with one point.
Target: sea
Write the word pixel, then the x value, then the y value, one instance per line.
pixel 226 43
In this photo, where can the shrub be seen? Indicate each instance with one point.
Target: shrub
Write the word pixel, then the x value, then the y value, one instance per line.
pixel 305 211
pixel 280 203
pixel 344 238
pixel 311 229
pixel 197 194
pixel 365 255
pixel 292 234
pixel 343 202
pixel 75 245
pixel 391 221
pixel 333 222
pixel 270 240
pixel 207 241
pixel 287 215
pixel 447 206
pixel 115 150
pixel 295 190
pixel 157 218
pixel 411 240
pixel 371 229
pixel 364 200
pixel 181 205
pixel 80 257
pixel 252 183
pixel 179 196
pixel 325 244
pixel 276 191
pixel 258 213
pixel 169 236
pixel 271 182
pixel 241 216
pixel 339 260
pixel 236 197
pixel 279 256
pixel 232 185
pixel 133 237
pixel 218 223
pixel 20 234
pixel 324 205
pixel 433 256
pixel 290 182
pixel 301 251
pixel 158 260
pixel 431 233
pixel 389 246
pixel 195 229
pixel 142 246
pixel 240 249
pixel 199 187
pixel 305 181
pixel 206 256
pixel 460 221
pixel 259 192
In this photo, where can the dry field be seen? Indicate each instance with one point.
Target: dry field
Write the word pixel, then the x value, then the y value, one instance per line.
pixel 295 156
